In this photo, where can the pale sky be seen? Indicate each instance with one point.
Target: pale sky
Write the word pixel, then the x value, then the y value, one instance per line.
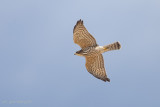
pixel 39 68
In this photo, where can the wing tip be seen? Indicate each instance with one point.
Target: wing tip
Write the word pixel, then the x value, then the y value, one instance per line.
pixel 79 22
pixel 106 79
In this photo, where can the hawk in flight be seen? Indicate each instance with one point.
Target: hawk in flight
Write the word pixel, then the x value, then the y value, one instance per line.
pixel 92 51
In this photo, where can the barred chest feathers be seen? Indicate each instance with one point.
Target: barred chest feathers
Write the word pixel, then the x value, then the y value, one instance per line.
pixel 93 50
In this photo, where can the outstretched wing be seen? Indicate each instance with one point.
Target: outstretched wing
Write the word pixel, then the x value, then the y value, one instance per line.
pixel 82 37
pixel 95 66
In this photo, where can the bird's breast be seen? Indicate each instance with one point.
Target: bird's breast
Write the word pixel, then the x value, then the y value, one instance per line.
pixel 90 51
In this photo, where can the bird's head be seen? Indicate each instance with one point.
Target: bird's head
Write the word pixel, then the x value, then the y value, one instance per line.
pixel 79 53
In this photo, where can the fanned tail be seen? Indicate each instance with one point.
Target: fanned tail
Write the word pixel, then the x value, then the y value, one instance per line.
pixel 113 46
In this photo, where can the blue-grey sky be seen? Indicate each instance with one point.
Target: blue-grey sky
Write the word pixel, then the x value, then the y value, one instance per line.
pixel 37 63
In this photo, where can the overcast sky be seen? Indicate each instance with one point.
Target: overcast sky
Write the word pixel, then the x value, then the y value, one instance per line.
pixel 38 67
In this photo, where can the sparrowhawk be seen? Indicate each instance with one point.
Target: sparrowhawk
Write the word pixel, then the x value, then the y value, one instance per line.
pixel 92 51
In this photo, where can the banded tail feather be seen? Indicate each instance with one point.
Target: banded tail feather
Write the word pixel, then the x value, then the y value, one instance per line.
pixel 113 46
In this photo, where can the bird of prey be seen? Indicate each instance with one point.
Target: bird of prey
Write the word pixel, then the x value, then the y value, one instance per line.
pixel 92 51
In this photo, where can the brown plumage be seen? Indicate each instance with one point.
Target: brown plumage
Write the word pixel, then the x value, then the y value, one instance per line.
pixel 82 37
pixel 91 51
